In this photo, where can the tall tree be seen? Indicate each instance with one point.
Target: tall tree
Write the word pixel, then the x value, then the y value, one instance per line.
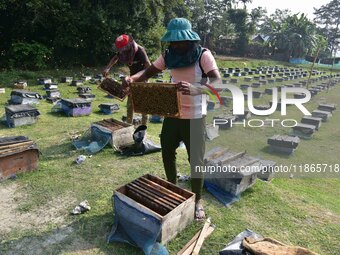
pixel 256 16
pixel 209 19
pixel 80 32
pixel 238 17
pixel 328 16
pixel 245 2
pixel 294 36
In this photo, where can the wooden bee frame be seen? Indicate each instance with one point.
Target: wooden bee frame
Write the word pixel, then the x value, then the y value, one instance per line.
pixel 113 88
pixel 156 98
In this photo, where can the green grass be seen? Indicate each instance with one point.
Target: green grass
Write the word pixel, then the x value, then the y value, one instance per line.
pixel 303 212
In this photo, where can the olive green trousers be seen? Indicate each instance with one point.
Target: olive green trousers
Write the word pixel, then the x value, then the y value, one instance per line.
pixel 192 133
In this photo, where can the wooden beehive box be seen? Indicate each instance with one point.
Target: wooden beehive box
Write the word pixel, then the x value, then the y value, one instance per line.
pixel 108 108
pixel 172 206
pixel 113 88
pixel 156 99
pixel 236 181
pixel 21 114
pixel 121 132
pixel 17 154
pixel 20 85
pixel 24 97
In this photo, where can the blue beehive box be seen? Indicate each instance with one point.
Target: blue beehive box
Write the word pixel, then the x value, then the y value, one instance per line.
pixel 156 119
pixel 109 108
pixel 76 107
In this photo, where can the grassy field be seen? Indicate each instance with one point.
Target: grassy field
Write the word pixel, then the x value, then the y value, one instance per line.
pixel 34 208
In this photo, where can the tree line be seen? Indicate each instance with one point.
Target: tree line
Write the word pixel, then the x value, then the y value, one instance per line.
pixel 36 34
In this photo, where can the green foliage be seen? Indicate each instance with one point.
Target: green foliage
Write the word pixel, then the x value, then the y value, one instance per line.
pixel 238 17
pixel 82 32
pixel 151 39
pixel 290 35
pixel 255 16
pixel 257 50
pixel 29 55
pixel 328 16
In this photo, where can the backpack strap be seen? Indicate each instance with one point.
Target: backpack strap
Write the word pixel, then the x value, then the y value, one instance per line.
pixel 204 77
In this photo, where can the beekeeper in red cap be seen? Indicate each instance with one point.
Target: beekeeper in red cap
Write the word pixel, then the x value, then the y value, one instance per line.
pixel 135 57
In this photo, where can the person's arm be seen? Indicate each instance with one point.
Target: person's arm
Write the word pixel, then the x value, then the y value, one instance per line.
pixel 214 77
pixel 112 62
pixel 147 62
pixel 141 76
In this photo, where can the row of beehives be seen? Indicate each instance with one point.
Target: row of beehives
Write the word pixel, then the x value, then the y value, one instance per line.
pixel 301 84
pixel 308 124
pixel 265 70
pixel 280 143
pixel 263 81
pixel 283 144
pixel 50 83
pixel 25 114
pixel 320 84
pixel 21 110
pixel 79 107
pixel 269 72
pixel 305 130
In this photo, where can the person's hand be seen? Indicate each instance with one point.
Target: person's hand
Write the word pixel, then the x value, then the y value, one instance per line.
pixel 105 72
pixel 126 81
pixel 187 88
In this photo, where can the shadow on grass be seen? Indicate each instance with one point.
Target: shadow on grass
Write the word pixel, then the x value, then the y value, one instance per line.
pixel 267 150
pixel 57 114
pixel 98 112
pixel 86 235
pixel 3 125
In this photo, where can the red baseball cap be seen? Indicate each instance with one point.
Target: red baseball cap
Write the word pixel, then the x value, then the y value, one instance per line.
pixel 122 41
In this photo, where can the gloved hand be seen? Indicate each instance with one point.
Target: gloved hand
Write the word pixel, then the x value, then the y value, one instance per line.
pixel 187 88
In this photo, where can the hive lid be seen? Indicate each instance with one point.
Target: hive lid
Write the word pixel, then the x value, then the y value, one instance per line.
pixel 24 93
pixel 21 108
pixel 7 140
pixel 76 101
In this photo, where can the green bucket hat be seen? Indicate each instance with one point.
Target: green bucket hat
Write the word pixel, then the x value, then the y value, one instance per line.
pixel 179 29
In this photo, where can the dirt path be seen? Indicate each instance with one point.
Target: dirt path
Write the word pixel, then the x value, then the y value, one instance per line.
pixel 53 213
